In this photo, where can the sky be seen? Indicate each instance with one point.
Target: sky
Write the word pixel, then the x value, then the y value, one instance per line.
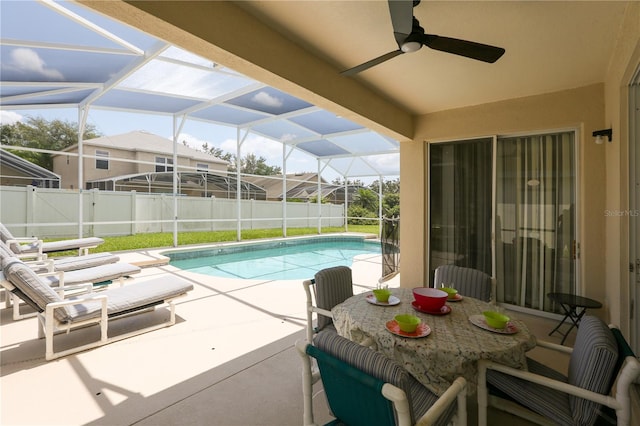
pixel 51 28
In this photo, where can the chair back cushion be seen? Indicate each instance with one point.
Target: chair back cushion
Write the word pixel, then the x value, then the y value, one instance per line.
pixel 591 366
pixel 34 287
pixel 354 397
pixel 5 251
pixel 379 366
pixel 6 235
pixel 469 282
pixel 333 286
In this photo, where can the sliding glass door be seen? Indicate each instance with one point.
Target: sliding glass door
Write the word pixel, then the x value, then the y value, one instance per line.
pixel 460 206
pixel 535 219
pixel 534 250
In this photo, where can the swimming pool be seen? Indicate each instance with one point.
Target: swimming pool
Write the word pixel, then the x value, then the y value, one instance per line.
pixel 275 260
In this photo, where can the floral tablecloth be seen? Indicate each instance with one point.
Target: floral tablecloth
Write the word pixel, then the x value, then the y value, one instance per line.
pixel 451 350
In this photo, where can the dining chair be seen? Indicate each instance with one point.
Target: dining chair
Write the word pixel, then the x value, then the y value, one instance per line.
pixel 468 281
pixel 602 368
pixel 363 387
pixel 330 287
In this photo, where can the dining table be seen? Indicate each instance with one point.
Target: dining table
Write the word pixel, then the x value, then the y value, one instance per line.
pixel 447 344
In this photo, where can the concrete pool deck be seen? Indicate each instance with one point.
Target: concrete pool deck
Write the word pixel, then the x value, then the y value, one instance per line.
pixel 228 360
pixel 223 327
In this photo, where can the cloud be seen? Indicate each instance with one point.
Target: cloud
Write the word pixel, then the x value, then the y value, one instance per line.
pixel 263 98
pixel 28 60
pixel 9 117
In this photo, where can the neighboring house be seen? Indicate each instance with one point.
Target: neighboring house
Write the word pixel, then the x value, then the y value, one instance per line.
pixel 109 158
pixel 16 171
pixel 302 187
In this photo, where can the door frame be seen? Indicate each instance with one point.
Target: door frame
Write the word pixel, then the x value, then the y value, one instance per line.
pixel 634 210
pixel 577 185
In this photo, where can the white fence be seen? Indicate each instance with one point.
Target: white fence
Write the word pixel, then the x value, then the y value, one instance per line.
pixel 30 211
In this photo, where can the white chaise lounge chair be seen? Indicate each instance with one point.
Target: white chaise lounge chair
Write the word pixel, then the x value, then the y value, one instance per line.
pixel 28 246
pixel 57 314
pixel 70 263
pixel 101 274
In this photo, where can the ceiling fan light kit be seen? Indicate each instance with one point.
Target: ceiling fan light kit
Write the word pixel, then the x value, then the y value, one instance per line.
pixel 410 37
pixel 410 46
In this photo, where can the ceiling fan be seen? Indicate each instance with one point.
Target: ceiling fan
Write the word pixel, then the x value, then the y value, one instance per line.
pixel 410 37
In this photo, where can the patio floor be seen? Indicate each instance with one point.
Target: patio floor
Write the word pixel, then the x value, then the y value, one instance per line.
pixel 228 360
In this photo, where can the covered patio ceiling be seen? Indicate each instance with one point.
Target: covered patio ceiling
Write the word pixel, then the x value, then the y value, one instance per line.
pixel 70 56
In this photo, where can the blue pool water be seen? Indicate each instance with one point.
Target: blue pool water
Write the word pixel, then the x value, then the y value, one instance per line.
pixel 276 260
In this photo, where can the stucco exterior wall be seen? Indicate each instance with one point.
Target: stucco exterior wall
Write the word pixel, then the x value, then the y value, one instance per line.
pixel 625 61
pixel 581 109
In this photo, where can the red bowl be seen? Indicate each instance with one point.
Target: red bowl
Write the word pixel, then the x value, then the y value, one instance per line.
pixel 430 299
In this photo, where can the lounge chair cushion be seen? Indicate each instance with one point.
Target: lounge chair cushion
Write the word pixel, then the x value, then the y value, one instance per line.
pixel 377 365
pixel 35 288
pixel 62 245
pixel 82 262
pixel 72 244
pixel 5 251
pixel 333 286
pixel 132 297
pixel 52 246
pixel 96 274
pixel 138 294
pixel 5 235
pixel 119 300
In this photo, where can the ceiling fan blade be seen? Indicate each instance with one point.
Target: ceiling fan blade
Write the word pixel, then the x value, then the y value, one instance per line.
pixel 401 12
pixel 468 49
pixel 371 63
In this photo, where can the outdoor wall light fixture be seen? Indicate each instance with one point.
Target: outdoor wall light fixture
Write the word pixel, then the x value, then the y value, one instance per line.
pixel 599 135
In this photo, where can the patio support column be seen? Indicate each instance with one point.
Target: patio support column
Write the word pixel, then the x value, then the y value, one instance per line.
pixel 346 194
pixel 319 200
pixel 285 157
pixel 82 122
pixel 239 142
pixel 284 190
pixel 346 202
pixel 380 207
pixel 176 132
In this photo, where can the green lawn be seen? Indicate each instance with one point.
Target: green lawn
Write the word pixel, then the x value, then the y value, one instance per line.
pixel 158 240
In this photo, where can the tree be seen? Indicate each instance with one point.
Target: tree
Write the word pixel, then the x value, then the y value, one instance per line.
pixel 388 186
pixel 391 204
pixel 355 212
pixel 356 182
pixel 253 165
pixel 366 199
pixel 217 152
pixel 38 133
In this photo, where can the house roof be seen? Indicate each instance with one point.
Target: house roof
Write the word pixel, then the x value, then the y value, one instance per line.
pixel 142 141
pixel 273 184
pixel 7 159
pixel 71 56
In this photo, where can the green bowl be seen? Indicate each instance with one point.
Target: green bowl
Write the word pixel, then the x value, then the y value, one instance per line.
pixel 451 292
pixel 495 319
pixel 382 294
pixel 408 323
